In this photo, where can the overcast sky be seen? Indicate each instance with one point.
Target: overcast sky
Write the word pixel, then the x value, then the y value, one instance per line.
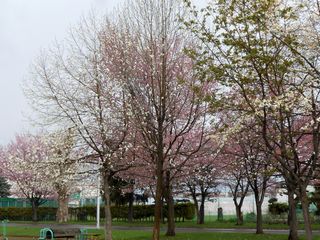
pixel 27 26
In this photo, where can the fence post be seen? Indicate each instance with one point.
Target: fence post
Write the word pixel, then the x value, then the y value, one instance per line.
pixel 4 229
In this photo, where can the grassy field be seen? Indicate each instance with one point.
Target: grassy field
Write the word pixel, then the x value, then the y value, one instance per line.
pixel 203 236
pixel 215 224
pixel 193 224
pixel 208 224
pixel 33 232
pixel 143 235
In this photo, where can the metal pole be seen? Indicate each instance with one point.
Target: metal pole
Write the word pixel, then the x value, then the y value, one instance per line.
pixel 4 229
pixel 98 200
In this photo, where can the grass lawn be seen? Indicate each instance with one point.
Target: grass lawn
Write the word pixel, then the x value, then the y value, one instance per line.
pixel 210 222
pixel 138 235
pixel 214 224
pixel 143 235
pixel 193 224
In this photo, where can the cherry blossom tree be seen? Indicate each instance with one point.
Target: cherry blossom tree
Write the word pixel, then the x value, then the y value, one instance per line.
pixel 42 166
pixel 258 51
pixel 259 170
pixel 145 50
pixel 70 86
pixel 20 161
pixel 63 164
pixel 202 180
pixel 255 166
pixel 236 180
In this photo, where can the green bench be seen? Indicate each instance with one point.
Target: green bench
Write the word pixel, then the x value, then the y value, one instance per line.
pixel 63 233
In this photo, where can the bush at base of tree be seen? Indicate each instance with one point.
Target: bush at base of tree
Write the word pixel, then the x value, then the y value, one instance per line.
pixel 250 217
pixel 278 208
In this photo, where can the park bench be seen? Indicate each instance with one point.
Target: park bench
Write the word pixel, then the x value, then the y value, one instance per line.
pixel 66 233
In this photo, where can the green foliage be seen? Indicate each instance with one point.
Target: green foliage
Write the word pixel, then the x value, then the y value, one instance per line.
pixel 278 208
pixel 315 198
pixel 25 214
pixel 4 188
pixel 185 211
pixel 116 196
pixel 250 217
pixel 272 200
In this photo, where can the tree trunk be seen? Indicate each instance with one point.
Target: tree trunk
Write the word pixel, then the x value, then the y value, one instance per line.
pixel 158 200
pixel 62 211
pixel 170 203
pixel 107 209
pixel 196 204
pixel 305 211
pixel 198 216
pixel 34 211
pixel 258 201
pixel 292 217
pixel 130 208
pixel 171 224
pixel 201 212
pixel 239 214
pixel 259 228
pixel 163 220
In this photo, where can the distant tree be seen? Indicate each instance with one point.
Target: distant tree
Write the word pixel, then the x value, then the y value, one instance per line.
pixel 238 185
pixel 4 187
pixel 20 161
pixel 258 168
pixel 201 183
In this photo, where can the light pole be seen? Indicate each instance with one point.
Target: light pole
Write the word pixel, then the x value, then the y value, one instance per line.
pixel 98 199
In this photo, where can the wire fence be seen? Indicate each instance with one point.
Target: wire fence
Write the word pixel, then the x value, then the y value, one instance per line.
pixel 24 203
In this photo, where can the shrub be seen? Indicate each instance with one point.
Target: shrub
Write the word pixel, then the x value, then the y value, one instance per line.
pixel 278 208
pixel 273 200
pixel 250 217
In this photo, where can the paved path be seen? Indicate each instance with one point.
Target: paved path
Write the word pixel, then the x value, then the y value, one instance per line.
pixel 178 229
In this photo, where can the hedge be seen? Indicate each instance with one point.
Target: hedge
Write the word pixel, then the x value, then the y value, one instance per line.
pixel 25 214
pixel 185 211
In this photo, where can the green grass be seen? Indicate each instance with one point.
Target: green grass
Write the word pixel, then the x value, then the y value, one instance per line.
pixel 192 224
pixel 22 231
pixel 198 236
pixel 214 224
pixel 144 235
pixel 208 236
